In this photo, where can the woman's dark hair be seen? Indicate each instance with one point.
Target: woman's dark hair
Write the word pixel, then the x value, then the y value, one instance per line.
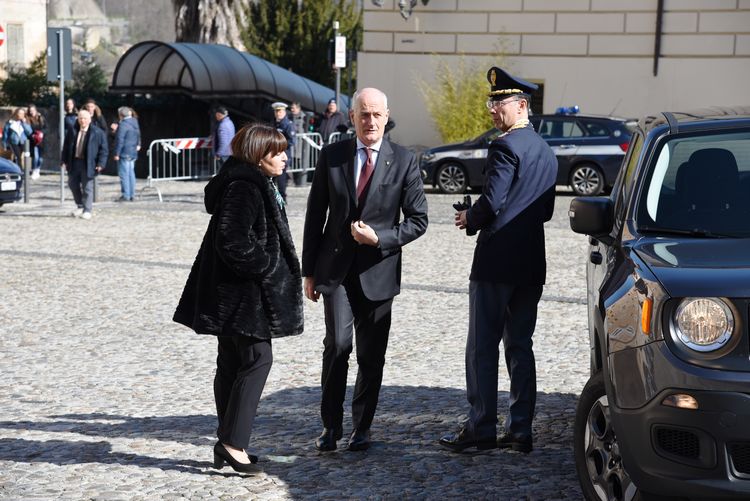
pixel 253 142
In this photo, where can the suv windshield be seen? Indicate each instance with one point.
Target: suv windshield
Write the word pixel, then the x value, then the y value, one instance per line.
pixel 698 185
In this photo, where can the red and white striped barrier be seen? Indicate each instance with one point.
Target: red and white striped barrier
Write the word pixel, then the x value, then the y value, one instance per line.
pixel 191 143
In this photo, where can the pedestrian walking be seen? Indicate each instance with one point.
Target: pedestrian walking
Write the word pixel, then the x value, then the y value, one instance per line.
pixel 299 121
pixel 71 113
pixel 283 125
pixel 222 134
pixel 332 120
pixel 38 127
pixel 16 132
pixel 245 285
pixel 351 255
pixel 84 155
pixel 127 146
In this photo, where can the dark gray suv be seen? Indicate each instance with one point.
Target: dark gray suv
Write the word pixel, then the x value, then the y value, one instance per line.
pixel 665 412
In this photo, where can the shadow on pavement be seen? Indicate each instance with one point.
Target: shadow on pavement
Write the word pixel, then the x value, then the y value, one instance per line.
pixel 407 426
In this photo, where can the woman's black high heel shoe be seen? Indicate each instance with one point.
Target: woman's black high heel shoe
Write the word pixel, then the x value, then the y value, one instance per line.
pixel 221 456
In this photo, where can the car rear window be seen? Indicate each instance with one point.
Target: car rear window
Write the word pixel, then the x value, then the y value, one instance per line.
pixel 699 185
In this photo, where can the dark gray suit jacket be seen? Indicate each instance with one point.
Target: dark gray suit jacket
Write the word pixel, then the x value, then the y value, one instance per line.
pixel 329 250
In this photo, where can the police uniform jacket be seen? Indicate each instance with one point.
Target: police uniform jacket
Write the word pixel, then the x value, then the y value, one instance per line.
pixel 517 198
pixel 286 127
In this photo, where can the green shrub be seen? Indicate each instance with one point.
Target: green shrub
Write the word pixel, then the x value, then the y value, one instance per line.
pixel 26 85
pixel 455 97
pixel 89 80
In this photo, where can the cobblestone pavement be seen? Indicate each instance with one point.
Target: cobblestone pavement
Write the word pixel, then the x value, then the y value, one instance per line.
pixel 103 397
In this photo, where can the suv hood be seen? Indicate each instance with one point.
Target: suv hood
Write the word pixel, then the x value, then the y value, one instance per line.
pixel 699 267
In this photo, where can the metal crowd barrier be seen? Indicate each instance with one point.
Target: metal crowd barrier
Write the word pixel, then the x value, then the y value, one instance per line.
pixel 191 158
pixel 305 153
pixel 180 159
pixel 339 136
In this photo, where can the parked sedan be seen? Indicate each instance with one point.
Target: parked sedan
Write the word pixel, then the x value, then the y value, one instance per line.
pixel 665 412
pixel 589 152
pixel 11 181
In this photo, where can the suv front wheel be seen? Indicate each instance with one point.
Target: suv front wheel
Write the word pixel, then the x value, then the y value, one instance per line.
pixel 597 454
pixel 586 180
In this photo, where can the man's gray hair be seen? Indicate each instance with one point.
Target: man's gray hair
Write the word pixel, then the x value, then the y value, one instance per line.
pixel 124 112
pixel 355 97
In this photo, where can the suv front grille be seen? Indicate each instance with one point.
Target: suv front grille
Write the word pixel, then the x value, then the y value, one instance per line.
pixel 680 443
pixel 740 454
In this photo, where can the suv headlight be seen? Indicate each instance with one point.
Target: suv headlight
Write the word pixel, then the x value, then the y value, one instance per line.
pixel 703 324
pixel 428 157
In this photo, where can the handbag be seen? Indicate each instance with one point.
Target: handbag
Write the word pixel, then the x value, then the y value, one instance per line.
pixel 37 137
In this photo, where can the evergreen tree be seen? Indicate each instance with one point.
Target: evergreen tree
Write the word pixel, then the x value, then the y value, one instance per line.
pixel 89 80
pixel 27 85
pixel 296 34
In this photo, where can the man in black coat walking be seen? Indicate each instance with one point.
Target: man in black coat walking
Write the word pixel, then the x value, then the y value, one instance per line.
pixel 84 155
pixel 508 270
pixel 352 255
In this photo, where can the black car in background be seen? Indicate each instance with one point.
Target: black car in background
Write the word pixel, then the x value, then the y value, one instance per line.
pixel 589 151
pixel 666 409
pixel 11 181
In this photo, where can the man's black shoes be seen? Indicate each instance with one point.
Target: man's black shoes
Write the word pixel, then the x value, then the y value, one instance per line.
pixel 359 441
pixel 463 439
pixel 327 440
pixel 518 443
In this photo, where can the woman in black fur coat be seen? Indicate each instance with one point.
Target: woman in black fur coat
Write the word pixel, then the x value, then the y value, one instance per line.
pixel 245 285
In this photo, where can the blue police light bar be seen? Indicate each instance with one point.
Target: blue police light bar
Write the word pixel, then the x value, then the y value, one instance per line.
pixel 569 110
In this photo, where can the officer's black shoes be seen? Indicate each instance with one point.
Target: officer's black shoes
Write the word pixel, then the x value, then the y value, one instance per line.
pixel 463 439
pixel 327 440
pixel 516 442
pixel 359 441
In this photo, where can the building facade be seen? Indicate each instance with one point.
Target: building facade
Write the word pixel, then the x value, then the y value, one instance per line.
pixel 597 54
pixel 24 32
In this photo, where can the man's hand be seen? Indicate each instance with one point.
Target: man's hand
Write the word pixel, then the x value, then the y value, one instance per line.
pixel 461 220
pixel 310 293
pixel 364 234
pixel 64 166
pixel 116 158
pixel 98 169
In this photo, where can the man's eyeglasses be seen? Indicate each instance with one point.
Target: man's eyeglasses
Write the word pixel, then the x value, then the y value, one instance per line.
pixel 491 103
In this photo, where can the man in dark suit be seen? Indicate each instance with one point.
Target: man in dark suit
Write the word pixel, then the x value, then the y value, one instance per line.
pixel 508 270
pixel 84 155
pixel 352 255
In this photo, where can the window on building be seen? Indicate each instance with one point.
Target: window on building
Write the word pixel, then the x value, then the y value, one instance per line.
pixel 14 40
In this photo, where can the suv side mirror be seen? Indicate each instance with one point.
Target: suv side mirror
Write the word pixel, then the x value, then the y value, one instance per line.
pixel 592 216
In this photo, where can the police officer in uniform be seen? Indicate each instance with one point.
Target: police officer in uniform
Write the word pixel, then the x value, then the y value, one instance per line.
pixel 285 126
pixel 508 270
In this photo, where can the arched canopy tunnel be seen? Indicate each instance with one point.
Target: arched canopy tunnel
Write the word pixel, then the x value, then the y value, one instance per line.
pixel 216 74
